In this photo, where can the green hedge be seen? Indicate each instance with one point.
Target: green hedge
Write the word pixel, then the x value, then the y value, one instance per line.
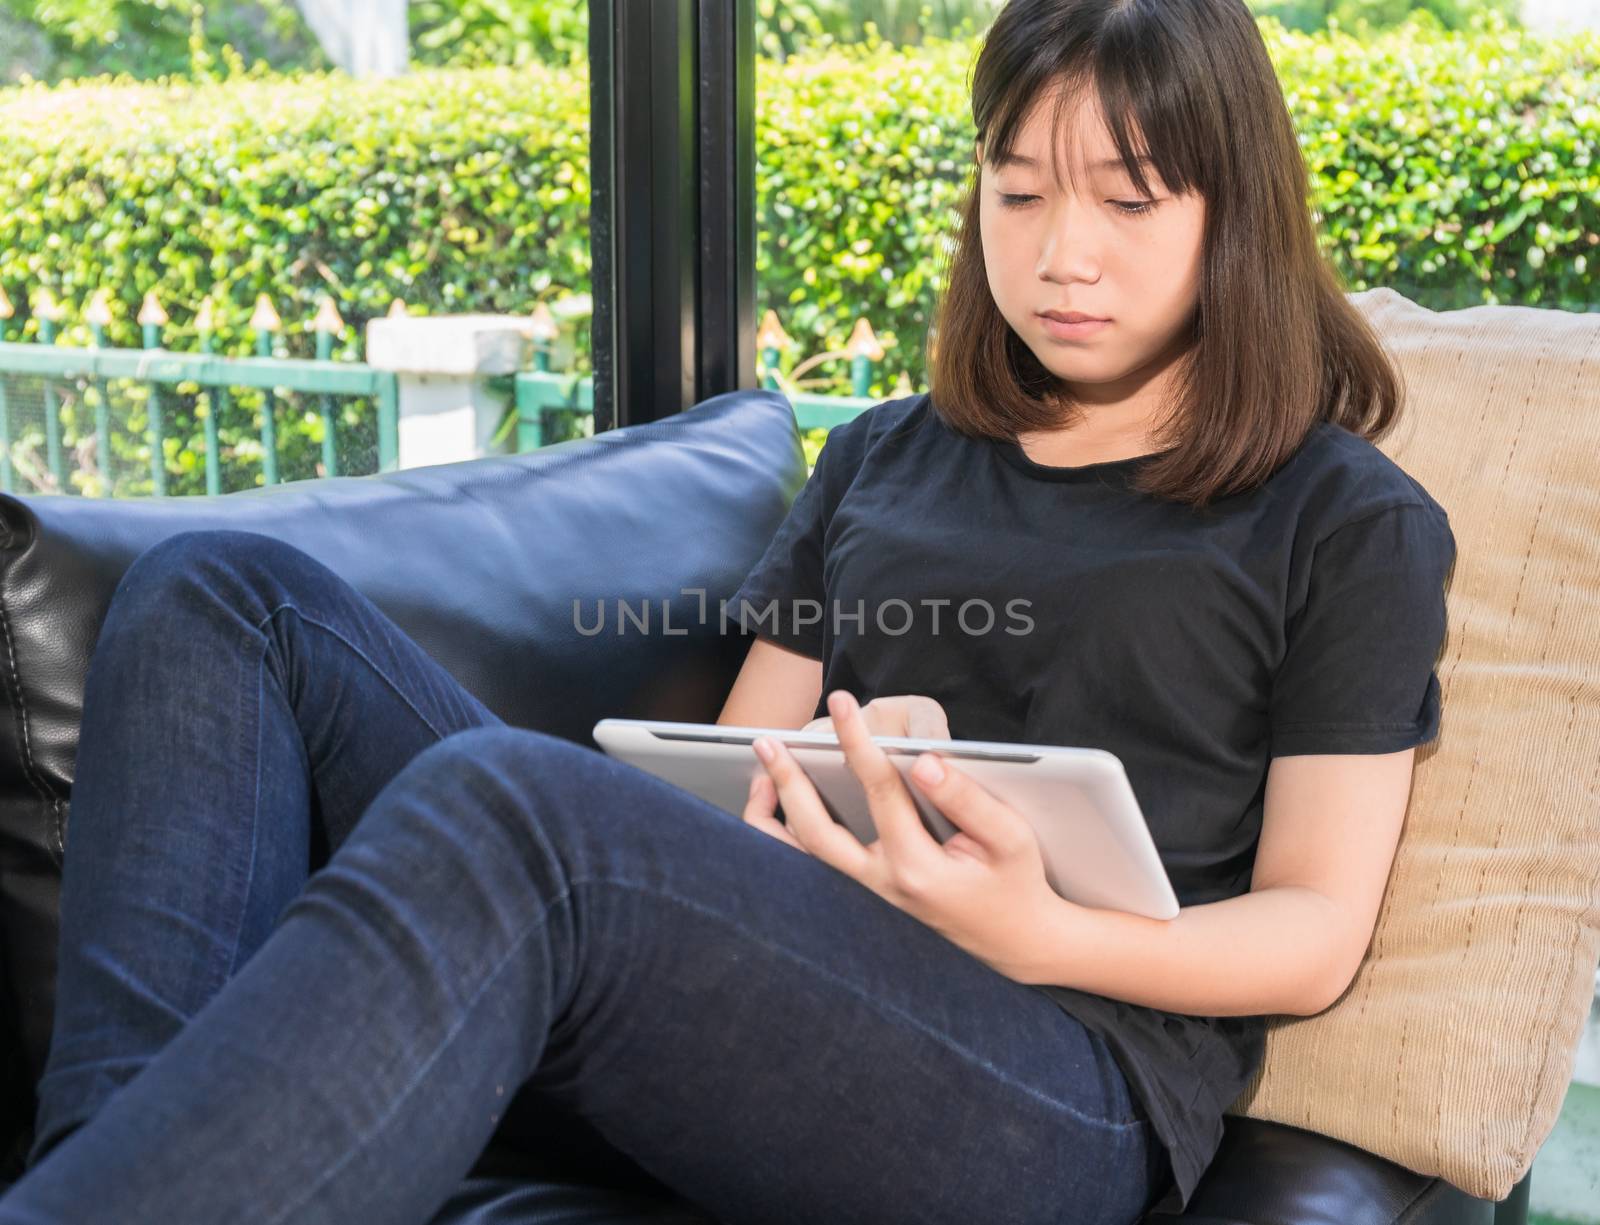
pixel 456 191
pixel 1460 169
pixel 1457 168
pixel 459 191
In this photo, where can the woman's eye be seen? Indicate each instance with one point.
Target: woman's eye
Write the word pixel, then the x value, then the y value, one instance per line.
pixel 1132 208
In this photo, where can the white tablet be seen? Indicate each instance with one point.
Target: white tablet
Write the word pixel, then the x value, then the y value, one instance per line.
pixel 1096 846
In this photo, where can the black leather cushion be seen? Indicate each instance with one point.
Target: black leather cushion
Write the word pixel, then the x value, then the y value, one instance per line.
pixel 1264 1174
pixel 527 1197
pixel 565 1175
pixel 1270 1174
pixel 480 562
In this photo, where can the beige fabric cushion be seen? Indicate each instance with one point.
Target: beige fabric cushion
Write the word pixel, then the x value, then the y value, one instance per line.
pixel 1453 1048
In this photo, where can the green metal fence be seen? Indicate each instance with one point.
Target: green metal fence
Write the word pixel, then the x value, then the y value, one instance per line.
pixel 100 420
pixel 552 407
pixel 72 416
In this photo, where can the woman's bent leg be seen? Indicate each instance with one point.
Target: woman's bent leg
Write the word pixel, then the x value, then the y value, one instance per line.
pixel 241 701
pixel 758 1031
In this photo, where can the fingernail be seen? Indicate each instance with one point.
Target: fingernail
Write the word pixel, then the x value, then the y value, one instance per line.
pixel 928 769
pixel 840 703
pixel 764 749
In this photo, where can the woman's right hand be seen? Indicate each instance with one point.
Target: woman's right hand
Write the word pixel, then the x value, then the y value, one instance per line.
pixel 909 714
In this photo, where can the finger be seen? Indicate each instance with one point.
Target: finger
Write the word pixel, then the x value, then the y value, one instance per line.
pixel 809 822
pixel 928 721
pixel 760 807
pixel 994 826
pixel 894 814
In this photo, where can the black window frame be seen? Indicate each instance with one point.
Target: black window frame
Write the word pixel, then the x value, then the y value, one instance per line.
pixel 672 221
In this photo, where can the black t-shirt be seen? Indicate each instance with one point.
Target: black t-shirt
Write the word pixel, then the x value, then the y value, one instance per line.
pixel 1057 605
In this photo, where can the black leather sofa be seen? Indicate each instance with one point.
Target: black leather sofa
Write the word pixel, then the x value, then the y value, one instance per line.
pixel 480 562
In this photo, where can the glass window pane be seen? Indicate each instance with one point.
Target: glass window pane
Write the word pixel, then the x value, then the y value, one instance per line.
pixel 1449 150
pixel 862 144
pixel 272 177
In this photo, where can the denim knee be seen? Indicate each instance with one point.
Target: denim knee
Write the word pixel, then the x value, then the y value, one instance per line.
pixel 538 766
pixel 198 550
pixel 529 783
pixel 246 568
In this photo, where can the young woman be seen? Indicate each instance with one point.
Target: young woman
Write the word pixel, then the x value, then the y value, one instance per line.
pixel 1149 433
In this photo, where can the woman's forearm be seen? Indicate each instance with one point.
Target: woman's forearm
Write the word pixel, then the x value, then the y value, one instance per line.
pixel 1274 950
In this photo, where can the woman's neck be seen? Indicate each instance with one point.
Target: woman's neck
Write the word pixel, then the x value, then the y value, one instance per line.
pixel 1118 419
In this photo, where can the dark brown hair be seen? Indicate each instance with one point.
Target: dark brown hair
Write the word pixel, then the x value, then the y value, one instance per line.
pixel 1274 345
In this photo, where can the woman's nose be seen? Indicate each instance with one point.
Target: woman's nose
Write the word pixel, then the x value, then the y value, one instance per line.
pixel 1071 245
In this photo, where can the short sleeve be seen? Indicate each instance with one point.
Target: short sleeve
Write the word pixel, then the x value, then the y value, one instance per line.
pixel 1358 674
pixel 782 597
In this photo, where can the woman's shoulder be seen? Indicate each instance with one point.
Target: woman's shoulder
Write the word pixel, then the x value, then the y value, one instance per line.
pixel 885 417
pixel 1339 476
pixel 852 440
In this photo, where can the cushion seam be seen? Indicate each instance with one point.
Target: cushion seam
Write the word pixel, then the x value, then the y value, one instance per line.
pixel 19 705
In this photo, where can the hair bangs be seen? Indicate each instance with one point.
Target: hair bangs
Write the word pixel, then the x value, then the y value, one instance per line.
pixel 1146 110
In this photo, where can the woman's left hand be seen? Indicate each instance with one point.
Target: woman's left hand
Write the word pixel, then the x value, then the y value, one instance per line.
pixel 984 889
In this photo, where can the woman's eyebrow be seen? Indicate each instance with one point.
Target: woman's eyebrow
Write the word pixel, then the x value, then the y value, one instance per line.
pixel 1018 159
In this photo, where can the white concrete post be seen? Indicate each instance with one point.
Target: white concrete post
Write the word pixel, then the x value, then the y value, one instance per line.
pixel 1561 16
pixel 367 38
pixel 446 411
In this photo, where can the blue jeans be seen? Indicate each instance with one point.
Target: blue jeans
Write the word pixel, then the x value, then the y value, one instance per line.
pixel 325 917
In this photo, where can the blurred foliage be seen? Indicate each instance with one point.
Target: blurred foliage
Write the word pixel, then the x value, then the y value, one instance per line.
pixel 792 27
pixel 479 33
pixel 57 40
pixel 1368 16
pixel 148 39
pixel 1456 168
pixel 454 190
pixel 457 191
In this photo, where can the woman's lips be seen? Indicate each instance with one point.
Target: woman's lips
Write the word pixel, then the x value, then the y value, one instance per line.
pixel 1073 331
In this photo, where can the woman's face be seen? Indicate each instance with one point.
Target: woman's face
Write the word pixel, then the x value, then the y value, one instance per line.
pixel 1092 246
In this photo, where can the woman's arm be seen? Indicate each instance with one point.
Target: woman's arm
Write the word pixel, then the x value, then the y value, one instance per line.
pixel 776 687
pixel 1293 943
